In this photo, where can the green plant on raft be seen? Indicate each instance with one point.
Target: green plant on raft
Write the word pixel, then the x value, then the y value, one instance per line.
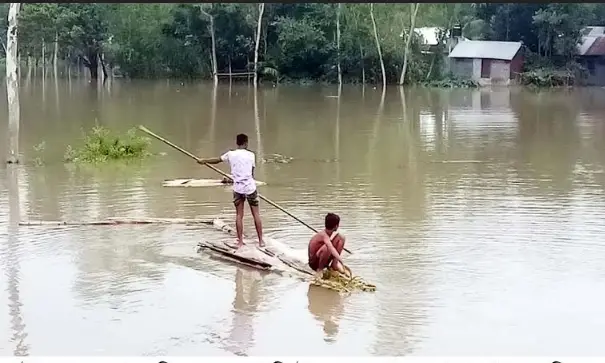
pixel 100 146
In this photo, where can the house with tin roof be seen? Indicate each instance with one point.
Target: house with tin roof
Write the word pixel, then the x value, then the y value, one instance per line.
pixel 488 62
pixel 430 38
pixel 591 54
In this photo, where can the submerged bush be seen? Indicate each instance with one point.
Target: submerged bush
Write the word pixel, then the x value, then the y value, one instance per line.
pixel 572 74
pixel 545 78
pixel 38 151
pixel 452 82
pixel 100 146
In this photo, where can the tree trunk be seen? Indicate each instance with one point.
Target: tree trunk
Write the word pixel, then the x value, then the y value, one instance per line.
pixel 265 41
pixel 230 77
pixel 384 72
pixel 213 39
pixel 94 72
pixel 68 65
pixel 56 55
pixel 248 68
pixel 338 43
pixel 408 41
pixel 261 10
pixel 43 59
pixel 428 74
pixel 103 68
pixel 92 63
pixel 214 63
pixel 12 84
pixel 363 66
pixel 29 67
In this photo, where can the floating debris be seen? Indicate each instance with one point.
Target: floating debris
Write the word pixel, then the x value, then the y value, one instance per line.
pixel 326 160
pixel 277 158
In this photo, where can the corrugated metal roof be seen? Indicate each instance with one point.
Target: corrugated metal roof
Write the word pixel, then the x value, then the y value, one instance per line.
pixel 590 35
pixel 593 31
pixel 585 44
pixel 485 49
pixel 597 47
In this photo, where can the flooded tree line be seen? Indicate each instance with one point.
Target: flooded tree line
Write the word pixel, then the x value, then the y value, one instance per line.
pixel 373 43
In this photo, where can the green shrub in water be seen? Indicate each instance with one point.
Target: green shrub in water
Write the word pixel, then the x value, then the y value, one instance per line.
pixel 100 146
pixel 38 151
pixel 548 78
pixel 451 81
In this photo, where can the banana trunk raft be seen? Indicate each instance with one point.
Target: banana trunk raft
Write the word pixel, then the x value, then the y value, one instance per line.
pixel 278 257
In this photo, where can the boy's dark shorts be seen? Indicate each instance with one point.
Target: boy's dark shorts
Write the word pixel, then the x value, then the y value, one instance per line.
pixel 252 198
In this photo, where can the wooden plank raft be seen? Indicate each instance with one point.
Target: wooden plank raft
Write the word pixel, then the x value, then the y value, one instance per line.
pixel 233 256
pixel 269 251
pixel 199 183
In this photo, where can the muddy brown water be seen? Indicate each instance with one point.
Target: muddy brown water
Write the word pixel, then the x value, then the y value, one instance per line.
pixel 478 214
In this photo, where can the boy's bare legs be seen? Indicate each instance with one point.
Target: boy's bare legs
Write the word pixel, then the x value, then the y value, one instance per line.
pixel 339 244
pixel 239 223
pixel 257 224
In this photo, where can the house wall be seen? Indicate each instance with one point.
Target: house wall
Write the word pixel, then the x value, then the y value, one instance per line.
pixel 462 67
pixel 596 69
pixel 500 71
pixel 471 68
pixel 477 68
pixel 516 64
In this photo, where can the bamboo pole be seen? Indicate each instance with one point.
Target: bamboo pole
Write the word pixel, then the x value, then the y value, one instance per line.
pixel 144 129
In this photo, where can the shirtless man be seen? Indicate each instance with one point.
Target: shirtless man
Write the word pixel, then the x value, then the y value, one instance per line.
pixel 325 247
pixel 242 162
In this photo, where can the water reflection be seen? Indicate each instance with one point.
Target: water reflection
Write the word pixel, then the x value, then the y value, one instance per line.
pixel 245 306
pixel 260 154
pixel 548 118
pixel 327 307
pixel 13 265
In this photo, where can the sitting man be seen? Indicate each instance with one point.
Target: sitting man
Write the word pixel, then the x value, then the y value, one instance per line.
pixel 325 247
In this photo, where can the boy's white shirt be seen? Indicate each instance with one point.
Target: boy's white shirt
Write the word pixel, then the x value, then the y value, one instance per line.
pixel 242 162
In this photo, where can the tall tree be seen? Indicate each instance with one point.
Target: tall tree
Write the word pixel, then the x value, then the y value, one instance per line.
pixel 261 10
pixel 338 12
pixel 213 39
pixel 377 40
pixel 88 31
pixel 12 83
pixel 408 41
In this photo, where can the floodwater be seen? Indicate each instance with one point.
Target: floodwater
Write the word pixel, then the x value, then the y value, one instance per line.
pixel 479 215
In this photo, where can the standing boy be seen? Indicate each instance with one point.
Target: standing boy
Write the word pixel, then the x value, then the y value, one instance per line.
pixel 242 162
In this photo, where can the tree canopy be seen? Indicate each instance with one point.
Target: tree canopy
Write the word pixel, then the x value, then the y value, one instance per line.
pixel 297 40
